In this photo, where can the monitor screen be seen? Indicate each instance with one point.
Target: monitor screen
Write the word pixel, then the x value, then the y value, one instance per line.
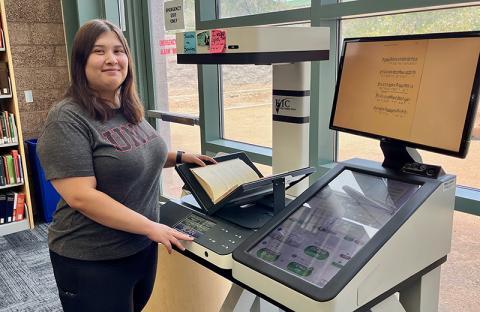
pixel 419 90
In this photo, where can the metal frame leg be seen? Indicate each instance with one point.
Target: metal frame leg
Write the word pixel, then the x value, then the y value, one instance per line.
pixel 423 295
pixel 391 304
pixel 241 300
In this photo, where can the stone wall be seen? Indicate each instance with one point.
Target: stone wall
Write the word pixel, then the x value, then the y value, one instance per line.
pixel 38 48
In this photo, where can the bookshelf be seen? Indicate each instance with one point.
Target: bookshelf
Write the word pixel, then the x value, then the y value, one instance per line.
pixel 9 102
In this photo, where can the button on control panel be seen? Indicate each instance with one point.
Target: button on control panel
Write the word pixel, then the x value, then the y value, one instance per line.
pixel 217 236
pixel 224 238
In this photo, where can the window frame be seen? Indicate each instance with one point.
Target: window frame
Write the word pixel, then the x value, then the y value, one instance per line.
pixel 329 13
pixel 323 142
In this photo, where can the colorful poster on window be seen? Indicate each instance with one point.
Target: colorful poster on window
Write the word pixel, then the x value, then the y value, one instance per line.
pixel 189 43
pixel 218 41
pixel 203 39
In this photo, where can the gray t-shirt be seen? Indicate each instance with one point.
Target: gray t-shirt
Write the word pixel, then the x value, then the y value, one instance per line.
pixel 126 161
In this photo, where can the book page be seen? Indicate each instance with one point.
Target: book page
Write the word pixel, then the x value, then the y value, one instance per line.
pixel 220 179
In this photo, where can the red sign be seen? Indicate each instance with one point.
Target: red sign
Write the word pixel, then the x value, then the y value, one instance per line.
pixel 168 51
pixel 167 42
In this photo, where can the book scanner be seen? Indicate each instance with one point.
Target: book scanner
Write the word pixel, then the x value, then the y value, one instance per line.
pixel 366 236
pixel 253 45
pixel 289 50
pixel 371 236
pixel 219 228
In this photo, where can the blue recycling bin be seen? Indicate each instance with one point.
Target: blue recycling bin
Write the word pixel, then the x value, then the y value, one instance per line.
pixel 46 197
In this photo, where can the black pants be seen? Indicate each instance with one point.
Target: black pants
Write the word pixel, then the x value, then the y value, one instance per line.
pixel 120 285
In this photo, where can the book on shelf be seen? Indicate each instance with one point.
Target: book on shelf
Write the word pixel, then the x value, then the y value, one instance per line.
pixel 8 134
pixel 12 176
pixel 22 179
pixel 3 179
pixel 16 166
pixel 220 179
pixel 13 128
pixel 3 138
pixel 2 131
pixel 8 128
pixel 11 168
pixel 20 204
pixel 4 79
pixel 5 168
pixel 14 213
pixel 12 207
pixel 3 208
pixel 5 127
pixel 10 202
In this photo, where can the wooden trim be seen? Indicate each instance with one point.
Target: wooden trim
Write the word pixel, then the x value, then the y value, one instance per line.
pixel 13 107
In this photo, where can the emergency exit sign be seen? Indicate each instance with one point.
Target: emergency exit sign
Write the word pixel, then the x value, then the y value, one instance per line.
pixel 174 19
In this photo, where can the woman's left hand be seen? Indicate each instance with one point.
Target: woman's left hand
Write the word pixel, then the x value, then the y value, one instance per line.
pixel 200 160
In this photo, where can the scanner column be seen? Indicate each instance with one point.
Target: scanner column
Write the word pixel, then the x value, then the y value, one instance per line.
pixel 291 119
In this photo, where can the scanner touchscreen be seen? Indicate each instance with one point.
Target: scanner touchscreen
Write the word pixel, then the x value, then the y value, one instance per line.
pixel 319 238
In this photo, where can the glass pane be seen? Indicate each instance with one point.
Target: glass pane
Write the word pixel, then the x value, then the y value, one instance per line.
pixel 449 20
pixel 247 102
pixel 232 8
pixel 182 79
pixel 183 138
pixel 463 254
pixel 264 169
pixel 176 88
pixel 460 19
pixel 318 239
pixel 459 282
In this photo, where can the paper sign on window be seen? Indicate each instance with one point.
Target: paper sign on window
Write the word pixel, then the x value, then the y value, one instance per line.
pixel 218 41
pixel 174 15
pixel 203 39
pixel 189 43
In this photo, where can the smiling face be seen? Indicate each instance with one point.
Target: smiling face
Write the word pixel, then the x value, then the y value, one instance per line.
pixel 107 66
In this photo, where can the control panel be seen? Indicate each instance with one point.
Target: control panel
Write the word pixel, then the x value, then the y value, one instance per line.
pixel 219 237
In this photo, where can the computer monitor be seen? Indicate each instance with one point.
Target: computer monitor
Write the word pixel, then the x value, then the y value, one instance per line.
pixel 418 91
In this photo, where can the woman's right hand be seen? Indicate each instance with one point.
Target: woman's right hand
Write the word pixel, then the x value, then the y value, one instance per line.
pixel 161 233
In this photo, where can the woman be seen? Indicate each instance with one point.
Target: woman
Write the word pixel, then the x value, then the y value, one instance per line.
pixel 105 161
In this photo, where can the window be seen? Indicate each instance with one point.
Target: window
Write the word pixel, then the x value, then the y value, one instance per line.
pixel 460 19
pixel 247 103
pixel 176 88
pixel 459 275
pixel 232 8
pixel 264 169
pixel 461 256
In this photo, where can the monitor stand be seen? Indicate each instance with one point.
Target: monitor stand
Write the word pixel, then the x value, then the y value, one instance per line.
pixel 402 158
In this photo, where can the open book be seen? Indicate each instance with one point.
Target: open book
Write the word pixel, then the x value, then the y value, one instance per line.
pixel 220 179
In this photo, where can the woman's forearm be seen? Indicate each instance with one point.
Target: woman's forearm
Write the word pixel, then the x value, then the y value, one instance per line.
pixel 171 160
pixel 103 209
pixel 81 194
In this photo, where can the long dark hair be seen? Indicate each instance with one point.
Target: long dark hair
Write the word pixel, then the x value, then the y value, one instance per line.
pixel 83 43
